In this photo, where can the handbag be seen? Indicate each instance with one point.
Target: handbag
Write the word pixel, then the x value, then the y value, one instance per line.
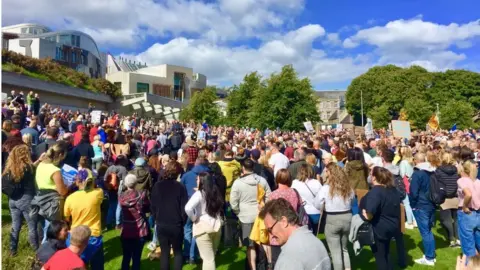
pixel 365 234
pixel 406 182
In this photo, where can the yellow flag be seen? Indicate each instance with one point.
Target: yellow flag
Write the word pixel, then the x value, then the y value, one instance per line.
pixel 433 122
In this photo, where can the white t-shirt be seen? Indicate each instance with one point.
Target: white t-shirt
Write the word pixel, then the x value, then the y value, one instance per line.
pixel 335 204
pixel 368 158
pixel 278 161
pixel 305 192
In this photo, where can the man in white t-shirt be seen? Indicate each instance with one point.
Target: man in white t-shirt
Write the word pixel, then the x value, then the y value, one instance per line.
pixel 278 160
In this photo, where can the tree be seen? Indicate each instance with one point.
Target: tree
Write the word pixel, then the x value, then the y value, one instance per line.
pixel 240 99
pixel 418 112
pixel 202 107
pixel 380 116
pixel 286 102
pixel 456 112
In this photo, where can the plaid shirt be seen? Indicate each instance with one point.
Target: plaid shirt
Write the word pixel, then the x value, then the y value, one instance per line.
pixel 134 206
pixel 192 152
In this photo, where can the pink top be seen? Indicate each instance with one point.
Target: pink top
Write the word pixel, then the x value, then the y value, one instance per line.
pixel 150 145
pixel 474 187
pixel 288 194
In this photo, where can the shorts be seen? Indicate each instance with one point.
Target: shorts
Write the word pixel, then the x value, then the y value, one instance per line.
pixel 246 230
pixel 94 245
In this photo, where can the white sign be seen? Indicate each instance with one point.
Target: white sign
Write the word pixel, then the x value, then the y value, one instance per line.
pixel 68 173
pixel 369 129
pixel 308 126
pixel 401 129
pixel 96 116
pixel 339 127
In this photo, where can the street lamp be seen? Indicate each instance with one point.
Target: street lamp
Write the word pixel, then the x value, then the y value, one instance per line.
pixel 361 104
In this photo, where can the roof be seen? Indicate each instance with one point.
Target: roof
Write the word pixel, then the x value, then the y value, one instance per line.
pixel 331 94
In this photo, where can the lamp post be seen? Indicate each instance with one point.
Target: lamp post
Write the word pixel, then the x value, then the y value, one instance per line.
pixel 361 104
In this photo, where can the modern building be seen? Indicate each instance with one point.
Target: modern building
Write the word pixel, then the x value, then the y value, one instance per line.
pixel 159 89
pixel 331 106
pixel 71 48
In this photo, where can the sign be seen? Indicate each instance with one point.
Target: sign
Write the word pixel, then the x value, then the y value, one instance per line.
pixel 308 126
pixel 339 127
pixel 401 129
pixel 68 173
pixel 369 129
pixel 96 116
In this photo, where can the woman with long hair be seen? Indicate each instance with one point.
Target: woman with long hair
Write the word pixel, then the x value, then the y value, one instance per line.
pixel 468 208
pixel 335 197
pixel 205 209
pixel 406 171
pixel 18 182
pixel 308 188
pixel 381 207
pixel 56 240
pixel 356 169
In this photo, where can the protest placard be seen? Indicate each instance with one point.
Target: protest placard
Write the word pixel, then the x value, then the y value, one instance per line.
pixel 96 116
pixel 308 126
pixel 68 173
pixel 369 129
pixel 401 129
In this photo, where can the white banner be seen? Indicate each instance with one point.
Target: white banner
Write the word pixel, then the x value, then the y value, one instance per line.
pixel 96 116
pixel 369 129
pixel 308 126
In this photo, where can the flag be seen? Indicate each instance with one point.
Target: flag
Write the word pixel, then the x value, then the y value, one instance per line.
pixel 454 127
pixel 433 122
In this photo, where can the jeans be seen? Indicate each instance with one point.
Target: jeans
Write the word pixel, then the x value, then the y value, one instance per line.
pixel 337 229
pixel 19 208
pixel 97 163
pixel 448 219
pixel 93 253
pixel 425 221
pixel 45 223
pixel 469 231
pixel 189 243
pixel 207 246
pixel 381 252
pixel 314 220
pixel 408 211
pixel 132 251
pixel 114 210
pixel 170 236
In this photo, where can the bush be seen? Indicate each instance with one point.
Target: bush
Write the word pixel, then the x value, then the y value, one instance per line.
pixel 47 68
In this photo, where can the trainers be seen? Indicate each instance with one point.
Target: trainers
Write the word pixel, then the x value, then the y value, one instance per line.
pixel 152 246
pixel 458 243
pixel 425 261
pixel 409 226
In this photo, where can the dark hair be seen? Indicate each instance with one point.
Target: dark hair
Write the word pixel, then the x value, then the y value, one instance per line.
pixel 355 154
pixel 85 136
pixel 211 193
pixel 310 144
pixel 279 208
pixel 171 170
pixel 383 176
pixel 53 132
pixel 466 153
pixel 388 155
pixel 248 165
pixel 122 161
pixel 55 227
pixel 283 177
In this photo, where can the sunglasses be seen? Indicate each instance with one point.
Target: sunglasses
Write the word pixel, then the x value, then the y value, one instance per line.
pixel 269 230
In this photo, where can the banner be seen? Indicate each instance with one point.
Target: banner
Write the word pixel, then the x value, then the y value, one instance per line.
pixel 401 129
pixel 96 116
pixel 369 129
pixel 308 126
pixel 68 173
pixel 433 123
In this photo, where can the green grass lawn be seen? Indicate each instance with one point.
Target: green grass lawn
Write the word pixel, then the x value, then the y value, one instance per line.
pixel 230 259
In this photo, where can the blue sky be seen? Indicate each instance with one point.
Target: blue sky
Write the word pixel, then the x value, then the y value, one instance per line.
pixel 331 42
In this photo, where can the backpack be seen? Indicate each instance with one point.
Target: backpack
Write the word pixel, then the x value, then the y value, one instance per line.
pixel 12 189
pixel 400 186
pixel 438 191
pixel 176 141
pixel 112 182
pixel 301 212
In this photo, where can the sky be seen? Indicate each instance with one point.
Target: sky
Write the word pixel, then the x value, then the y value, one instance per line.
pixel 329 41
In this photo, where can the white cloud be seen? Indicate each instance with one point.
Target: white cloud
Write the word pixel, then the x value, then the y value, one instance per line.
pixel 220 21
pixel 333 39
pixel 223 64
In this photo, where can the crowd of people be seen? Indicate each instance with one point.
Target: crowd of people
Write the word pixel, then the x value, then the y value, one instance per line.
pixel 192 189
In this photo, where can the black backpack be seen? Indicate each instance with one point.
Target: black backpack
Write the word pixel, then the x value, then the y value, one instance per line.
pixel 14 190
pixel 438 191
pixel 400 186
pixel 176 141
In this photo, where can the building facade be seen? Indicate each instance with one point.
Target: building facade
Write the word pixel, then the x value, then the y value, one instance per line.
pixel 331 107
pixel 74 49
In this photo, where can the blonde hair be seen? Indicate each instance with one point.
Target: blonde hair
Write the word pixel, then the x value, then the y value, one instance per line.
pixel 27 139
pixel 18 161
pixel 406 154
pixel 311 159
pixel 434 158
pixel 469 169
pixel 80 235
pixel 305 172
pixel 338 182
pixel 56 153
pixel 447 159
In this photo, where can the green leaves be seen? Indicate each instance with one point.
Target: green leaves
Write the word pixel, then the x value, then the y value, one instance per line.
pixel 202 107
pixel 456 112
pixel 282 100
pixel 389 89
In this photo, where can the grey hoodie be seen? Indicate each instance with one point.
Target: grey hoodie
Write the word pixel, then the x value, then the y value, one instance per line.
pixel 395 170
pixel 243 196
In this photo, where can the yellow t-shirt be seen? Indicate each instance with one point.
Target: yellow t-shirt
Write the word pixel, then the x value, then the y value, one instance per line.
pixel 84 208
pixel 43 176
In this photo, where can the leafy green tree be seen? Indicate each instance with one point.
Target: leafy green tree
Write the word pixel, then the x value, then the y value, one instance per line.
pixel 456 112
pixel 240 99
pixel 202 107
pixel 380 116
pixel 286 102
pixel 418 112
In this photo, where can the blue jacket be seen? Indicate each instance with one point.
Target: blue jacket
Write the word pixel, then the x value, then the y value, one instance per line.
pixel 103 135
pixel 420 187
pixel 189 179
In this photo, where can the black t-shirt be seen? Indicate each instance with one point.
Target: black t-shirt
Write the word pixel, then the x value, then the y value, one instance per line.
pixel 384 204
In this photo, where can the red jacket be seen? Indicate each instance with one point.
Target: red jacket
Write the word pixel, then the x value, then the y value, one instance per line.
pixel 77 137
pixel 93 133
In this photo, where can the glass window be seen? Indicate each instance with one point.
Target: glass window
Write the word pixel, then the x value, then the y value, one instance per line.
pixel 64 39
pixel 24 30
pixel 73 40
pixel 143 88
pixel 74 57
pixel 78 41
